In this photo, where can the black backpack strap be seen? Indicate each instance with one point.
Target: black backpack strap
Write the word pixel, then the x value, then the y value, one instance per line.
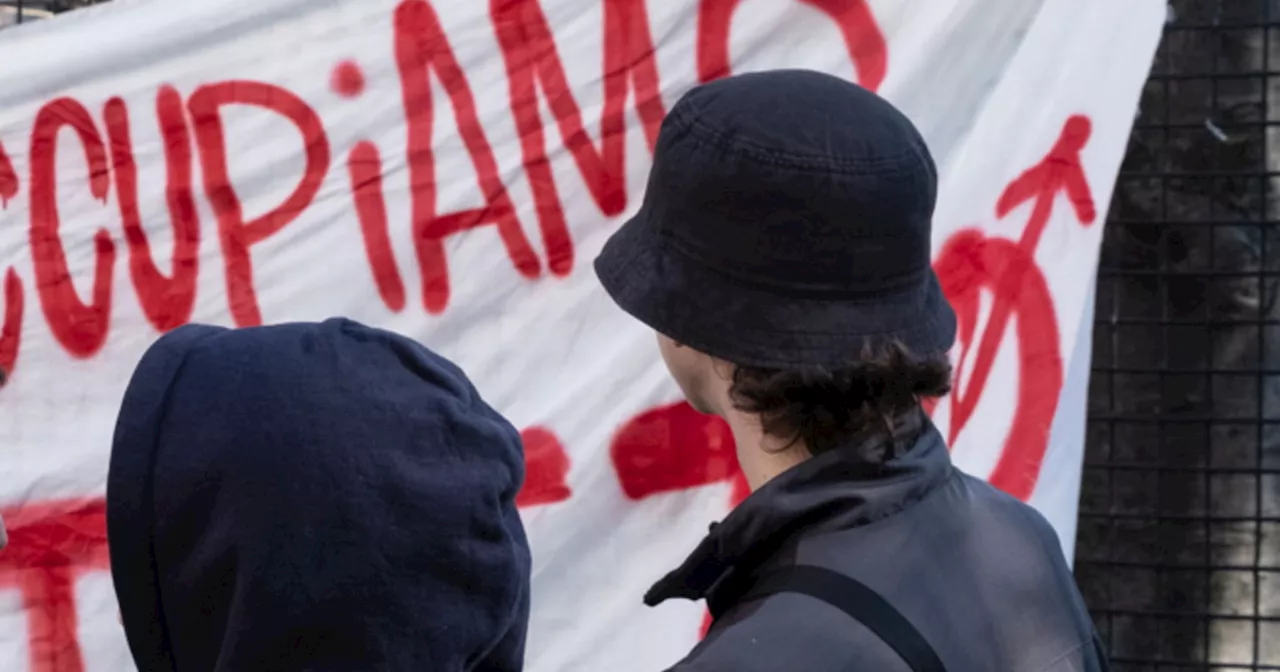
pixel 861 603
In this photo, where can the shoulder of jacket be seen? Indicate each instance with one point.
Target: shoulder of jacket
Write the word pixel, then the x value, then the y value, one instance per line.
pixel 746 665
pixel 786 632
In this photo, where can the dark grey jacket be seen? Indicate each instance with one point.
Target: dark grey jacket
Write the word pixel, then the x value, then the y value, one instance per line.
pixel 979 574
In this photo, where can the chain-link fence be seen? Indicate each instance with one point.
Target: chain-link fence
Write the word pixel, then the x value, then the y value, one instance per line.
pixel 1179 545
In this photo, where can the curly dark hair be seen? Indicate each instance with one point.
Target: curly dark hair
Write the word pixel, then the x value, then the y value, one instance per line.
pixel 824 408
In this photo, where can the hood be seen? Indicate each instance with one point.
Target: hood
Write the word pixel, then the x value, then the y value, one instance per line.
pixel 314 496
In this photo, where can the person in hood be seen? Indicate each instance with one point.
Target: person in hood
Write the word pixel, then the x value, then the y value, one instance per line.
pixel 782 254
pixel 314 497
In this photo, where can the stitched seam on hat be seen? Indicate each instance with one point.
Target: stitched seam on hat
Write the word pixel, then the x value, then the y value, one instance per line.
pixel 701 339
pixel 803 162
pixel 707 136
pixel 710 344
pixel 749 281
pixel 708 338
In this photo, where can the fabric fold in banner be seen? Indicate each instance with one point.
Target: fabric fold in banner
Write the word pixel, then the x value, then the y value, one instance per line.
pixel 446 170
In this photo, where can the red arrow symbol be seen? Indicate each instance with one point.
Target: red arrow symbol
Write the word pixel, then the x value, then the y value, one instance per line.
pixel 1061 171
pixel 971 263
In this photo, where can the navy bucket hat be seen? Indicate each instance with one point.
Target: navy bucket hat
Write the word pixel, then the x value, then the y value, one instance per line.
pixel 786 223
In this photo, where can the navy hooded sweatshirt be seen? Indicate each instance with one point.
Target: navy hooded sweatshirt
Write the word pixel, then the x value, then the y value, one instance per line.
pixel 314 497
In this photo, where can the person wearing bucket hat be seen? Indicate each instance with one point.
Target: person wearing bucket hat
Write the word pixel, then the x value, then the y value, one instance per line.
pixel 782 255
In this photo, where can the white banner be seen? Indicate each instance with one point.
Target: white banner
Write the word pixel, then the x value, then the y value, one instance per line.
pixel 448 170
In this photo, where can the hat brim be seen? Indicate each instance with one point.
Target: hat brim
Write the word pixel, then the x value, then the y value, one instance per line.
pixel 723 317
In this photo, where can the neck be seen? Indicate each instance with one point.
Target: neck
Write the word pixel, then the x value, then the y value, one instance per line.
pixel 762 457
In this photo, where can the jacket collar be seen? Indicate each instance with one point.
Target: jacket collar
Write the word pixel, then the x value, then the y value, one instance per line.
pixel 834 490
